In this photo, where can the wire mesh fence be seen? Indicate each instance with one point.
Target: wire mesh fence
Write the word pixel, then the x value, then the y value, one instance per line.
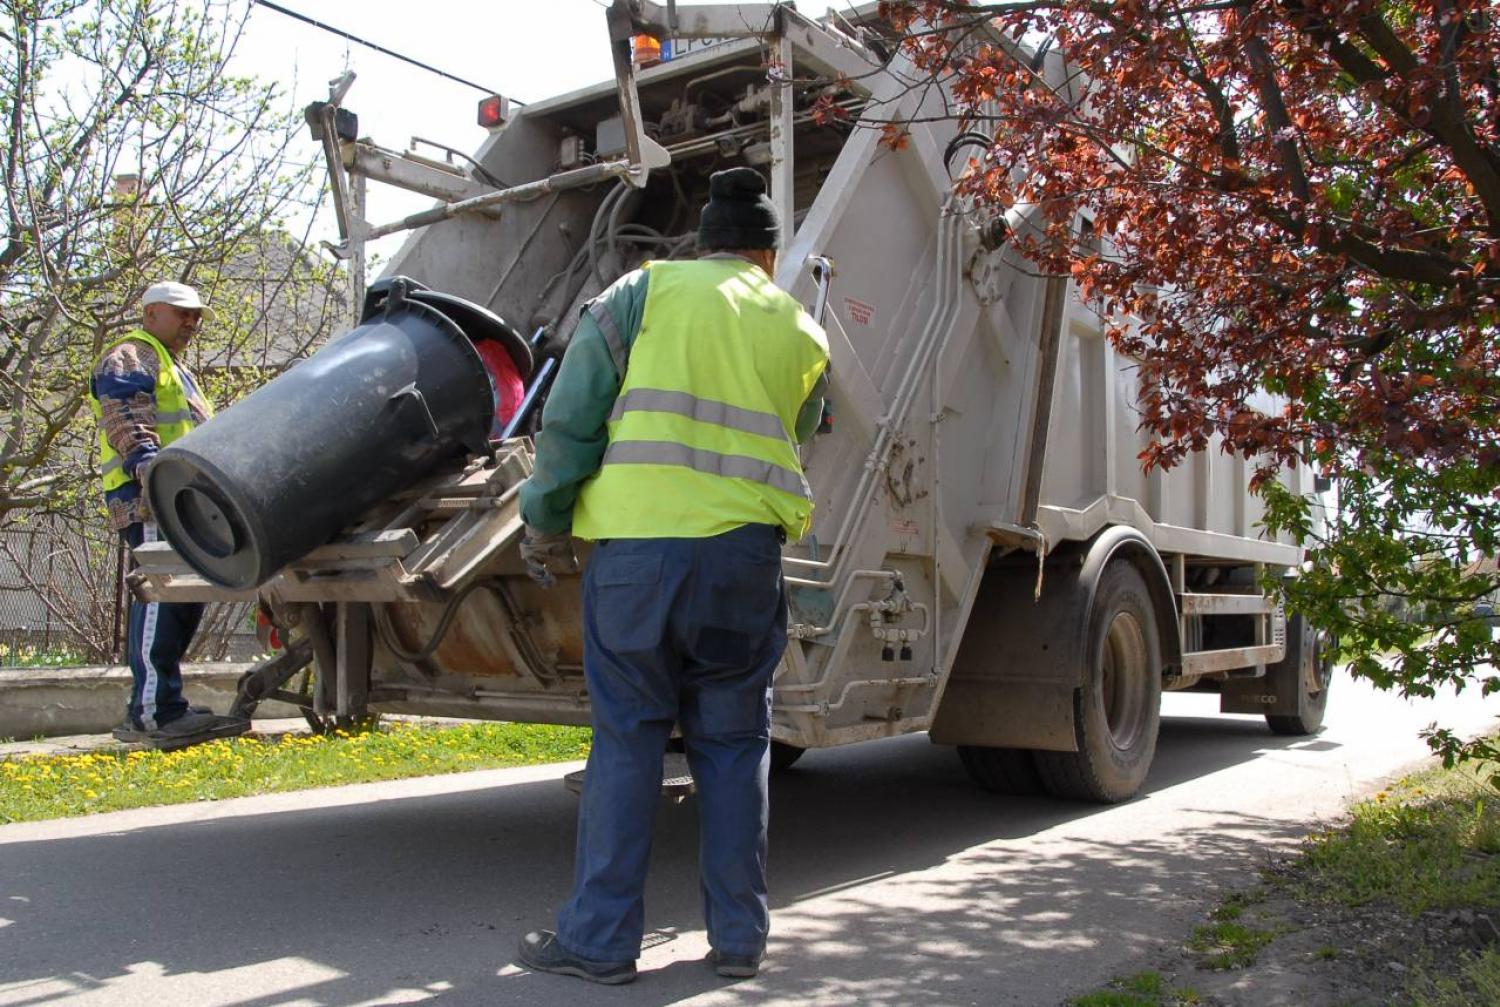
pixel 63 599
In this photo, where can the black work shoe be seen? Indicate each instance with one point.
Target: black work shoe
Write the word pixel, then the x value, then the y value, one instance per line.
pixel 542 952
pixel 128 733
pixel 193 728
pixel 734 966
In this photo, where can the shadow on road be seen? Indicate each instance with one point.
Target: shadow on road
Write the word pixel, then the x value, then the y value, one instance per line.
pixel 893 880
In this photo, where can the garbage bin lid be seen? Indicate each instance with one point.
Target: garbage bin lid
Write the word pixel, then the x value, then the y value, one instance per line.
pixel 480 323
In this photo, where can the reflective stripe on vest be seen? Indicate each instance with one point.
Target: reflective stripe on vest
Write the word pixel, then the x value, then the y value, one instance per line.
pixel 611 332
pixel 710 462
pixel 700 435
pixel 703 410
pixel 174 414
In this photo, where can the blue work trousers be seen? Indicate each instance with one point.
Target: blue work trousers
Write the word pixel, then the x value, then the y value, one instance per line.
pixel 156 638
pixel 686 631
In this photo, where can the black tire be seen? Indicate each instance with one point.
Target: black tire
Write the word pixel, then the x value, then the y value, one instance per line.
pixel 1305 671
pixel 1117 712
pixel 783 755
pixel 1002 770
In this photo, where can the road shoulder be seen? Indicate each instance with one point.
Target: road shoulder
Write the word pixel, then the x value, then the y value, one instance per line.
pixel 1397 902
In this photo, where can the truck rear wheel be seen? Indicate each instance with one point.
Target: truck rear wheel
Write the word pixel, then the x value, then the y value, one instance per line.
pixel 1002 770
pixel 1305 672
pixel 1117 712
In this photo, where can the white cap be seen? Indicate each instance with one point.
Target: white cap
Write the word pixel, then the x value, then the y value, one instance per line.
pixel 179 295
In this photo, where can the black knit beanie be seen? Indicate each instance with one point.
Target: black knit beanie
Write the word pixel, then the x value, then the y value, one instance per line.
pixel 738 213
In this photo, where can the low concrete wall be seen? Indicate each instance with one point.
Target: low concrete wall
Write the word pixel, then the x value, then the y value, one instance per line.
pixel 59 701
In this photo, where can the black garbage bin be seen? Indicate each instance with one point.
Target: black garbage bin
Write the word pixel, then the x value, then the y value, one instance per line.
pixel 283 470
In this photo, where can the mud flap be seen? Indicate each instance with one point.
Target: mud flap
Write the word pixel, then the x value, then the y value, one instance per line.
pixel 1256 695
pixel 1278 692
pixel 1002 711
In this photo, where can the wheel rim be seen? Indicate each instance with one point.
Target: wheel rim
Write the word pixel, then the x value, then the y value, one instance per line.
pixel 1320 670
pixel 1125 666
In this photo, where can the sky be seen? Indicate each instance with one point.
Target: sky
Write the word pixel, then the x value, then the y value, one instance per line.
pixel 525 49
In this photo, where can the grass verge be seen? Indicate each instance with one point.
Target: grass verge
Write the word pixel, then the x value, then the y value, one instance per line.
pixel 1430 842
pixel 1399 903
pixel 1476 980
pixel 1144 989
pixel 22 656
pixel 1228 945
pixel 40 787
pixel 1427 842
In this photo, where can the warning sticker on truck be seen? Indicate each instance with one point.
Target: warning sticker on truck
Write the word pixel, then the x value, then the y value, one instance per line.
pixel 859 312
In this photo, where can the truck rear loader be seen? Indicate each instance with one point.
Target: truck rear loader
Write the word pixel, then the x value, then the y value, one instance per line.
pixel 989 562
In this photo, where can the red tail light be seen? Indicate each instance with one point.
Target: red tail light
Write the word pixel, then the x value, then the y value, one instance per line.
pixel 494 111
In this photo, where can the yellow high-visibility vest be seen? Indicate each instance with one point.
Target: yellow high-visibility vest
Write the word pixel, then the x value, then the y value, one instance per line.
pixel 700 439
pixel 174 415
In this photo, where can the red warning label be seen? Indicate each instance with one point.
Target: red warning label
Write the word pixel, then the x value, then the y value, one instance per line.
pixel 859 312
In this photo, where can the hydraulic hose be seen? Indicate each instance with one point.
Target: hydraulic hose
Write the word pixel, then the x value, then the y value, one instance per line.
pixel 445 621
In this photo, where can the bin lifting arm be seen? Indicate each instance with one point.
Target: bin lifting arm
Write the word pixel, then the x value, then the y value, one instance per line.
pixel 642 154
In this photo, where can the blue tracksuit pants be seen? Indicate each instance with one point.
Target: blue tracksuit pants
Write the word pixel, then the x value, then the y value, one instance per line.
pixel 686 631
pixel 157 637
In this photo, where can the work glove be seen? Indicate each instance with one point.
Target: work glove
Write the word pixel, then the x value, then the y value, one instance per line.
pixel 548 553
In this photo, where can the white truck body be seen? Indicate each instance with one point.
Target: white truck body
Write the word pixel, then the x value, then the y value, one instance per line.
pixel 981 423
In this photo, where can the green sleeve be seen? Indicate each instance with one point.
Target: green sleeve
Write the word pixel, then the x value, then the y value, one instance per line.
pixel 811 414
pixel 574 435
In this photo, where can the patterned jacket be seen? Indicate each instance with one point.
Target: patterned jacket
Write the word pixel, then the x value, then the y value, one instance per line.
pixel 124 382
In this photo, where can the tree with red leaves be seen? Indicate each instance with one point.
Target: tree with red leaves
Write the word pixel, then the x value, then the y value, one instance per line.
pixel 1302 205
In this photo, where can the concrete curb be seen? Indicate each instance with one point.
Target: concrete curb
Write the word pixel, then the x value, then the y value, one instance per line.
pixel 91 700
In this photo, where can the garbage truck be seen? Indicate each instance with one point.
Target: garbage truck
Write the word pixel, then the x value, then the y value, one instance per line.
pixel 989 562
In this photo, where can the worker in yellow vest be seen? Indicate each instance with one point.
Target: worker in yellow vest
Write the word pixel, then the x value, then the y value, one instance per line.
pixel 144 398
pixel 670 440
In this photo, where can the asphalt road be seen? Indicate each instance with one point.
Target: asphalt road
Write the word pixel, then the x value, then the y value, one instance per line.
pixel 894 881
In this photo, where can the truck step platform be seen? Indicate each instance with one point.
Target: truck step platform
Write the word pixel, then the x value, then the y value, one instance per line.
pixel 676 779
